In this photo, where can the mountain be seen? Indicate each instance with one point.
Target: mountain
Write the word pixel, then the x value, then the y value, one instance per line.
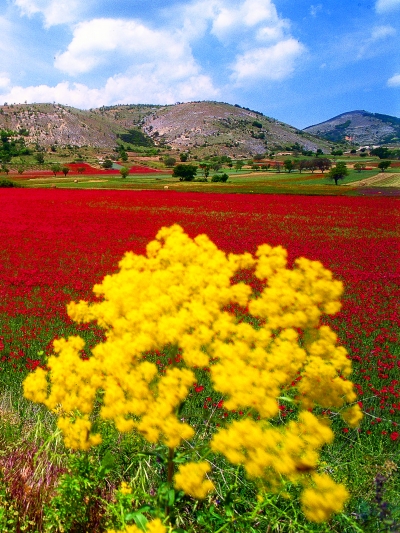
pixel 359 127
pixel 227 129
pixel 201 127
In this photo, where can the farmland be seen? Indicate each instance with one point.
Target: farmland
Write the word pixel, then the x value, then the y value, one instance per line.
pixel 56 244
pixel 142 177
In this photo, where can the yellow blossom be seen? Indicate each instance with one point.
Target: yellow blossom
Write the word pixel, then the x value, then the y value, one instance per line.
pixel 178 295
pixel 353 415
pixel 190 479
pixel 155 526
pixel 323 500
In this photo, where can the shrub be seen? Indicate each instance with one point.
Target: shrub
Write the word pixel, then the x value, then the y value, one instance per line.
pixel 220 178
pixel 107 163
pixel 6 184
pixel 169 161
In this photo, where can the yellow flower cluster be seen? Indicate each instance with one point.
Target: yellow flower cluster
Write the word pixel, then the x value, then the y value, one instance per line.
pixel 268 452
pixel 177 295
pixel 155 526
pixel 326 498
pixel 190 479
pixel 125 488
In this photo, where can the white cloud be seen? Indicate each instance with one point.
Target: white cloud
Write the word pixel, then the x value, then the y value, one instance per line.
pixel 4 80
pixel 270 63
pixel 381 32
pixel 314 9
pixel 369 46
pixel 95 42
pixel 156 64
pixel 394 81
pixel 258 39
pixel 54 11
pixel 232 20
pixel 140 88
pixel 383 6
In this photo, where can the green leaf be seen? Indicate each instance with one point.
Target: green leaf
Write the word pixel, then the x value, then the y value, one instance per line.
pixel 140 520
pixel 171 497
pixel 107 464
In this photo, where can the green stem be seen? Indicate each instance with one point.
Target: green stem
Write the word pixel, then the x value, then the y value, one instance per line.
pixel 170 474
pixel 171 453
pixel 224 526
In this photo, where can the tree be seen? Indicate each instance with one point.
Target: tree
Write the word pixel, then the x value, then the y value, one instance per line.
pixel 185 172
pixel 359 167
pixel 382 152
pixel 183 157
pixel 313 164
pixel 107 163
pixel 169 161
pixel 39 158
pixel 4 168
pixel 319 152
pixel 205 167
pixel 239 165
pixel 289 165
pixel 65 171
pixel 55 167
pixel 124 171
pixel 323 164
pixel 338 172
pixel 383 165
pixel 303 164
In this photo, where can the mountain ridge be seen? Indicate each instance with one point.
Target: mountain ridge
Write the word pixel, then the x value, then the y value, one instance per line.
pixel 199 127
pixel 359 127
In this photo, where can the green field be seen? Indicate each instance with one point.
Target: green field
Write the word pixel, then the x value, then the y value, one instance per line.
pixel 259 182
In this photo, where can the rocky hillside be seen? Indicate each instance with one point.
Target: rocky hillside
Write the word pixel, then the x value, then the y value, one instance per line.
pixel 223 128
pixel 201 127
pixel 359 127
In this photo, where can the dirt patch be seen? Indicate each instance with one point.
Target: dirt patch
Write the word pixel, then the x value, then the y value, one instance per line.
pixel 382 179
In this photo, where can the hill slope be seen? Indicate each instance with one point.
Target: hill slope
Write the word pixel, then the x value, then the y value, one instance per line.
pixel 201 127
pixel 359 127
pixel 224 128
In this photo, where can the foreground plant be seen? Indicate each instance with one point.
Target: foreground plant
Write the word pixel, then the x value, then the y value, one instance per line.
pixel 180 295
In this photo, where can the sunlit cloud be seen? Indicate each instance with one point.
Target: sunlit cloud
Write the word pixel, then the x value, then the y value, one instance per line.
pixel 54 12
pixel 394 81
pixel 270 63
pixel 383 6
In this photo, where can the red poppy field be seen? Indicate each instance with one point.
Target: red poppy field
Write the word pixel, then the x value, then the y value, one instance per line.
pixel 56 244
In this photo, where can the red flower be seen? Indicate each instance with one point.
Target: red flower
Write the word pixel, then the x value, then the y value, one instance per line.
pixel 395 435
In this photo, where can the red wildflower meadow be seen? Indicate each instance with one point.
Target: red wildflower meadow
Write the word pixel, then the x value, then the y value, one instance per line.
pixel 55 244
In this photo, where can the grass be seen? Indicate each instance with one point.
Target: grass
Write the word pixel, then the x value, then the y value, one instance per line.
pixel 239 182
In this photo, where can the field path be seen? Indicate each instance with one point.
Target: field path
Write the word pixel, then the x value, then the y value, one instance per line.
pixel 383 179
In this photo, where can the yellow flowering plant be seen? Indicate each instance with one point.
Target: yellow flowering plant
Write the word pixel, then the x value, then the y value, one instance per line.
pixel 180 295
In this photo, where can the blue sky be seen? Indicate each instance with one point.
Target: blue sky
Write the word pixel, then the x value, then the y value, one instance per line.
pixel 299 61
